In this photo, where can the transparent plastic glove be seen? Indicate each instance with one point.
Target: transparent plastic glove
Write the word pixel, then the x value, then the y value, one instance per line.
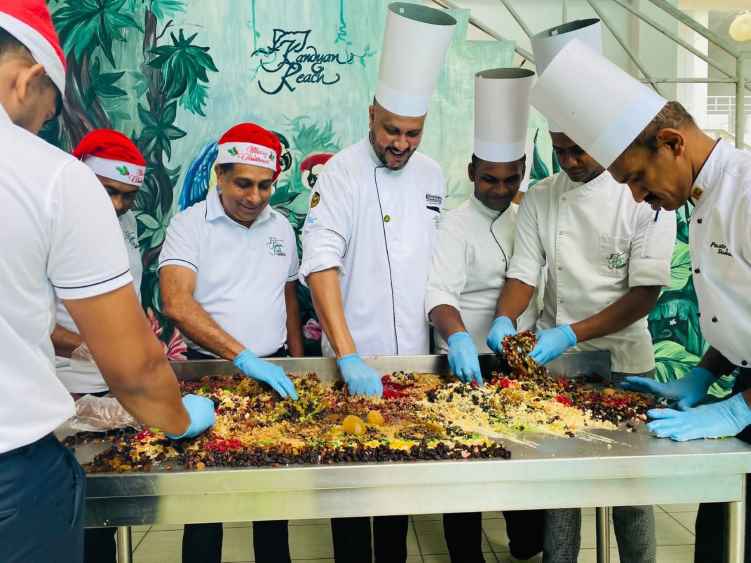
pixel 718 420
pixel 551 343
pixel 361 379
pixel 500 329
pixel 463 359
pixel 81 359
pixel 688 390
pixel 261 370
pixel 201 413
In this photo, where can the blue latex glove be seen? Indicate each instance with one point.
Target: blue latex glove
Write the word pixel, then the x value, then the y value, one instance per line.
pixel 201 413
pixel 261 370
pixel 718 420
pixel 551 343
pixel 361 379
pixel 500 329
pixel 688 390
pixel 463 359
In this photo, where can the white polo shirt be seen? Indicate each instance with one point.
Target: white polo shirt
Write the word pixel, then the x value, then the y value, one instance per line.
pixel 59 237
pixel 720 242
pixel 598 243
pixel 77 376
pixel 241 271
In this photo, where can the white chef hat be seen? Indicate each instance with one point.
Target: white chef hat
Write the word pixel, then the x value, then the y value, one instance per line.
pixel 598 105
pixel 414 48
pixel 548 43
pixel 502 113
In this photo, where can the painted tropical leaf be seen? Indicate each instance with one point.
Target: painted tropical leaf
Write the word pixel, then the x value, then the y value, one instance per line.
pixel 539 168
pixel 194 99
pixel 680 267
pixel 166 8
pixel 85 25
pixel 182 63
pixel 159 131
pixel 673 360
pixel 102 83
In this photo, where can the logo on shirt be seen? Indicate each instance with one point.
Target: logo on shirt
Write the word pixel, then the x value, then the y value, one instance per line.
pixel 315 200
pixel 617 260
pixel 721 248
pixel 276 247
pixel 433 200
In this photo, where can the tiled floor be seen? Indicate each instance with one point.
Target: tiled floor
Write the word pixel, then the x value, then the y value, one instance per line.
pixel 310 541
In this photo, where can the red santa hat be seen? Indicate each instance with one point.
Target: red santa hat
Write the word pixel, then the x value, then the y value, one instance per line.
pixel 314 160
pixel 112 155
pixel 30 23
pixel 248 143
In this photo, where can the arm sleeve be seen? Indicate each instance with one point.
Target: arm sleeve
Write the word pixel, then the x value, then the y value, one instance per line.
pixel 87 252
pixel 448 272
pixel 181 243
pixel 652 248
pixel 529 255
pixel 328 226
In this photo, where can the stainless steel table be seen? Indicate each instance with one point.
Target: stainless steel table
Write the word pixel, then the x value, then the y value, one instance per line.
pixel 637 469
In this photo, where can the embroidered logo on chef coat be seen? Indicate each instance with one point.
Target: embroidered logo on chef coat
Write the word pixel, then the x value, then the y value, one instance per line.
pixel 433 202
pixel 276 247
pixel 617 260
pixel 315 200
pixel 132 238
pixel 721 248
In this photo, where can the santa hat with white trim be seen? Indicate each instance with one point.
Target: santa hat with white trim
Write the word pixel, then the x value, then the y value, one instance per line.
pixel 502 113
pixel 414 50
pixel 29 21
pixel 548 43
pixel 112 155
pixel 248 143
pixel 599 106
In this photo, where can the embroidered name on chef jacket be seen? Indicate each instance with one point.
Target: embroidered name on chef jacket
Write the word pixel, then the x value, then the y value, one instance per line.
pixel 721 248
pixel 276 247
pixel 433 202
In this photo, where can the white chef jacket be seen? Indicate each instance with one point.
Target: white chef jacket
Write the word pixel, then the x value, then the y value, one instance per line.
pixel 377 227
pixel 59 237
pixel 598 243
pixel 470 258
pixel 720 244
pixel 79 378
pixel 241 271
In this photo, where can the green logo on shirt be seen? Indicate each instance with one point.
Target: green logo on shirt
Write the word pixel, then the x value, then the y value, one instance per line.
pixel 276 247
pixel 617 260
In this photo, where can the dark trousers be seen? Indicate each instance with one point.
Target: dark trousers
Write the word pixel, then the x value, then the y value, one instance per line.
pixel 202 543
pixel 99 545
pixel 352 542
pixel 711 523
pixel 463 534
pixel 42 496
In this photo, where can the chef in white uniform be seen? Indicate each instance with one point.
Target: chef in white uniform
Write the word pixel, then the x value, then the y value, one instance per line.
pixel 473 250
pixel 667 160
pixel 608 258
pixel 368 237
pixel 120 167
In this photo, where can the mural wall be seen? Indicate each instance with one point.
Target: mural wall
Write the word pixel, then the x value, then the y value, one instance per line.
pixel 175 74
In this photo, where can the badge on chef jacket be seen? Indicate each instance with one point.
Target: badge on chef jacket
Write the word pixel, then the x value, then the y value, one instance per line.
pixel 617 260
pixel 276 247
pixel 315 200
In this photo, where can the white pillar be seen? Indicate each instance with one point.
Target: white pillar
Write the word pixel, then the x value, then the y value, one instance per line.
pixel 694 96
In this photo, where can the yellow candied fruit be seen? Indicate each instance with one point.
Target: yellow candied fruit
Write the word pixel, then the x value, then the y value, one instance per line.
pixel 353 425
pixel 608 391
pixel 376 418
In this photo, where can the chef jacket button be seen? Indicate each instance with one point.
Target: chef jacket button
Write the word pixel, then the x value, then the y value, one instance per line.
pixel 698 314
pixel 714 319
pixel 560 268
pixel 744 363
pixel 698 220
pixel 696 271
pixel 386 218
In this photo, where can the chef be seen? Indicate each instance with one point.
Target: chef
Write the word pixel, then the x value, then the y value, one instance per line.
pixel 473 249
pixel 667 160
pixel 608 258
pixel 60 238
pixel 120 167
pixel 368 237
pixel 228 279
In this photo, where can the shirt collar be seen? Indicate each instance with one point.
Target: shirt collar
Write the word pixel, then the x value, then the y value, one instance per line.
pixel 711 173
pixel 377 161
pixel 483 209
pixel 4 117
pixel 215 210
pixel 586 187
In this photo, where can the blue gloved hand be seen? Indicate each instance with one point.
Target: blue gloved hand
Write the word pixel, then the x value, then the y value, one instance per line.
pixel 361 379
pixel 688 390
pixel 261 370
pixel 551 343
pixel 718 420
pixel 500 329
pixel 463 359
pixel 201 413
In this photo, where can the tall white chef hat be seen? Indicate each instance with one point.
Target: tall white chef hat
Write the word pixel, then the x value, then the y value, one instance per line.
pixel 502 113
pixel 598 105
pixel 548 43
pixel 414 48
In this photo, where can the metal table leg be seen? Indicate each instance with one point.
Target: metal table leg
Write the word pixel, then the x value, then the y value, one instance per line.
pixel 124 545
pixel 736 527
pixel 602 522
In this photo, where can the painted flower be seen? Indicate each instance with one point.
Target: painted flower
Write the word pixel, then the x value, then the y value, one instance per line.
pixel 174 349
pixel 312 330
